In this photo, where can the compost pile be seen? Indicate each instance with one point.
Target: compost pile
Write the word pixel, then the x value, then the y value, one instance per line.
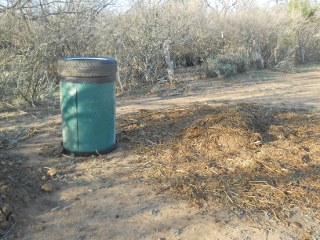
pixel 249 158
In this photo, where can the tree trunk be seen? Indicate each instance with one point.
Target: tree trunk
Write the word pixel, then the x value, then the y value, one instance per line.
pixel 256 47
pixel 118 72
pixel 168 61
pixel 302 50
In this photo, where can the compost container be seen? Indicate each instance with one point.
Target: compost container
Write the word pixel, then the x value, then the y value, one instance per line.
pixel 87 90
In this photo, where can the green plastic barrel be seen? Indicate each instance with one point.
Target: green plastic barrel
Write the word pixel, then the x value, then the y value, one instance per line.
pixel 87 90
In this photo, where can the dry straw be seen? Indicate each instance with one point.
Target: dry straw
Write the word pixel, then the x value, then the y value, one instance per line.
pixel 246 157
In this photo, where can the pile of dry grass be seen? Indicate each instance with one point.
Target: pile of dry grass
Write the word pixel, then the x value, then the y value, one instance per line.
pixel 247 157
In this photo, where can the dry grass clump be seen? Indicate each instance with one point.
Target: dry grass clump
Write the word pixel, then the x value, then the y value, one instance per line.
pixel 248 157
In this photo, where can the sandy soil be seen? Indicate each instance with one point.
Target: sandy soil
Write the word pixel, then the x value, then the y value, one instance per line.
pixel 299 90
pixel 47 195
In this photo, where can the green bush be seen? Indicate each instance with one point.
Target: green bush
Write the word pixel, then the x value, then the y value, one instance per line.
pixel 219 68
pixel 230 64
pixel 243 60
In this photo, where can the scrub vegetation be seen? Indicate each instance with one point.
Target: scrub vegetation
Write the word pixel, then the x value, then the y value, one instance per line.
pixel 149 39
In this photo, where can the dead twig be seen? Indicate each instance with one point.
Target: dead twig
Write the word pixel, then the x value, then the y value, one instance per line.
pixel 162 190
pixel 66 207
pixel 53 209
pixel 4 236
pixel 21 110
pixel 151 142
pixel 229 197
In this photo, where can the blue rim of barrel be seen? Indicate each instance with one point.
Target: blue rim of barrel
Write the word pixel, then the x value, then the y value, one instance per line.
pixel 110 60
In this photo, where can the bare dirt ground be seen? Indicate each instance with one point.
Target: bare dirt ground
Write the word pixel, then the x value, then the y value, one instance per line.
pixel 203 159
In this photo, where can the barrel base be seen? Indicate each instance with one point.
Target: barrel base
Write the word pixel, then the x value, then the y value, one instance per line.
pixel 88 154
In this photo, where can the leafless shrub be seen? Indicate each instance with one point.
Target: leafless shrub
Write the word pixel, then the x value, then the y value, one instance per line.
pixel 36 33
pixel 34 36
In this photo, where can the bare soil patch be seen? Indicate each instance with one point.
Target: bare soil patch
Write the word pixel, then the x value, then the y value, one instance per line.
pixel 204 159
